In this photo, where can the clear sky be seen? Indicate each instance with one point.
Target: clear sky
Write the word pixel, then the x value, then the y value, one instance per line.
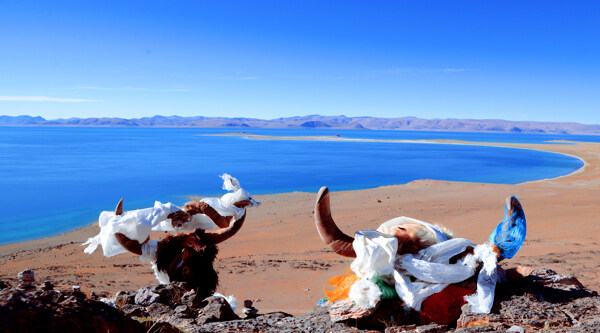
pixel 516 60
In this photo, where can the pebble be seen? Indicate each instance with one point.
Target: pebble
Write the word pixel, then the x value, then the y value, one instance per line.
pixel 26 275
pixel 145 297
pixel 26 280
pixel 47 285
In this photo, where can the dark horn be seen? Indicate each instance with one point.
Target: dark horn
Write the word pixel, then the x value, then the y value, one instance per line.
pixel 338 241
pixel 222 234
pixel 130 245
pixel 513 204
pixel 119 209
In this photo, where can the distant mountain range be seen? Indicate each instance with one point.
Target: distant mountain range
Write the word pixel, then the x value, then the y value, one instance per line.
pixel 317 121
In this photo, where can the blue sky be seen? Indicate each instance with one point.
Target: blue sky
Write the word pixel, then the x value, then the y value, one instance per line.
pixel 516 60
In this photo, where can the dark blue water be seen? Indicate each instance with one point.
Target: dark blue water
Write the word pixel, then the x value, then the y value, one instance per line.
pixel 56 179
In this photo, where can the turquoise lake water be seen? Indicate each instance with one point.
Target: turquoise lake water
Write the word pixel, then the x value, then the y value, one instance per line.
pixel 56 179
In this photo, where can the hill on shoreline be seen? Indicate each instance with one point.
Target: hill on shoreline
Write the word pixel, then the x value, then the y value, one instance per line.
pixel 319 122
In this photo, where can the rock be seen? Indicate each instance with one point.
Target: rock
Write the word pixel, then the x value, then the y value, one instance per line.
pixel 26 286
pixel 170 293
pixel 403 328
pixel 215 309
pixel 26 280
pixel 191 299
pixel 123 298
pixel 146 297
pixel 183 311
pixel 47 285
pixel 133 310
pixel 544 300
pixel 3 285
pixel 160 311
pixel 280 322
pixel 20 311
pixel 547 276
pixel 547 285
pixel 161 327
pixel 52 296
pixel 27 275
pixel 519 310
pixel 430 328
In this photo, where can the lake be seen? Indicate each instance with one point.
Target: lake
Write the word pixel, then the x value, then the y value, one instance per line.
pixel 56 179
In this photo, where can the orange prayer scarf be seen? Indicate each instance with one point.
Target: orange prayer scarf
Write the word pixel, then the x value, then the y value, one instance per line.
pixel 342 284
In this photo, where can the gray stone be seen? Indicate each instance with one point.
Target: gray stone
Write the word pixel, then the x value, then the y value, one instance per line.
pixel 146 297
pixel 519 310
pixel 170 294
pixel 133 310
pixel 159 311
pixel 215 309
pixel 183 311
pixel 430 328
pixel 191 299
pixel 27 275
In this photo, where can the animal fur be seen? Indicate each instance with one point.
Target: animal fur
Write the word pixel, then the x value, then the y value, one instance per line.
pixel 189 258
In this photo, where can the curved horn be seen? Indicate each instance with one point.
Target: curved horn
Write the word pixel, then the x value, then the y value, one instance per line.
pixel 222 234
pixel 129 244
pixel 514 206
pixel 119 209
pixel 199 207
pixel 338 241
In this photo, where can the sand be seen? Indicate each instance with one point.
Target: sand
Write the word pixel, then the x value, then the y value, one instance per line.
pixel 279 261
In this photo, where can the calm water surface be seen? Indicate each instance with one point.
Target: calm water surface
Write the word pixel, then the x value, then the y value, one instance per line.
pixel 55 179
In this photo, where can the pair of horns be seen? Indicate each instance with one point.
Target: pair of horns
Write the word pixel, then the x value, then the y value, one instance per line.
pixel 338 241
pixel 341 243
pixel 216 236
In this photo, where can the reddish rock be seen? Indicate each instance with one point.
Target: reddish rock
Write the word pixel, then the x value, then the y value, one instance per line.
pixel 23 312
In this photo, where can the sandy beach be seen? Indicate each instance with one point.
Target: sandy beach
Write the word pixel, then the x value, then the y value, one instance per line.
pixel 279 261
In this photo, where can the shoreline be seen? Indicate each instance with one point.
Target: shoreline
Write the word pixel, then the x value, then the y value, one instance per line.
pixel 259 263
pixel 248 136
pixel 525 146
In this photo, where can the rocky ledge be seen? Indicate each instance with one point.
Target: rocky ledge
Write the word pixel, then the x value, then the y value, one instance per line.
pixel 544 301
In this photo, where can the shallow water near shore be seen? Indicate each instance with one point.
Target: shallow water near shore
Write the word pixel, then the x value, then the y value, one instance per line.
pixel 55 179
